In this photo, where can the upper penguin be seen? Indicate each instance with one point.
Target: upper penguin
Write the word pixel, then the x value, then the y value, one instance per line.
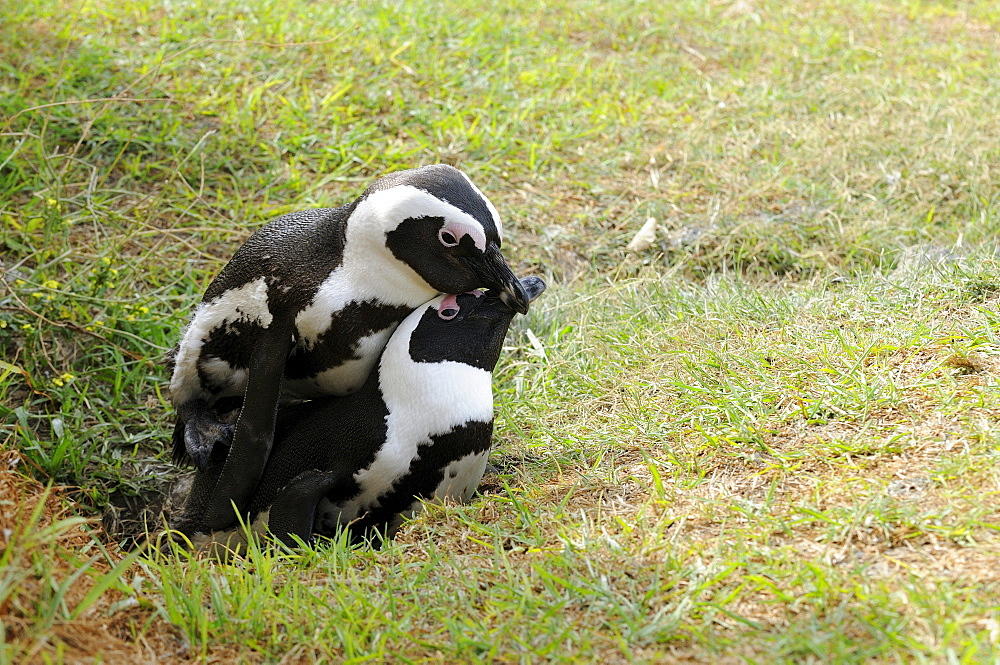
pixel 306 305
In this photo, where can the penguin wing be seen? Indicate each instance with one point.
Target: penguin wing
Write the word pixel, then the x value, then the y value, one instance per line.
pixel 254 434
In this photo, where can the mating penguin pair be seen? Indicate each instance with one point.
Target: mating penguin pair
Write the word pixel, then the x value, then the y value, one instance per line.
pixel 306 305
pixel 418 429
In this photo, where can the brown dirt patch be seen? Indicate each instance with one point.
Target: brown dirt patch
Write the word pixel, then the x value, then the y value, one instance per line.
pixel 105 632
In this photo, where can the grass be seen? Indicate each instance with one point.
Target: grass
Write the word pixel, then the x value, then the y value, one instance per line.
pixel 769 437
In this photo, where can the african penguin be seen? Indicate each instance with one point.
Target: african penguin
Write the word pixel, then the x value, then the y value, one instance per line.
pixel 306 305
pixel 419 428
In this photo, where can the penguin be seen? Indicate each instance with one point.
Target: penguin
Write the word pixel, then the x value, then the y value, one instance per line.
pixel 420 428
pixel 306 305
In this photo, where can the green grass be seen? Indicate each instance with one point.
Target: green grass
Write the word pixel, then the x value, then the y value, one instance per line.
pixel 771 436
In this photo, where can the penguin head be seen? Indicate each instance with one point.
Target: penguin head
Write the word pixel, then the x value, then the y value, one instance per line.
pixel 468 328
pixel 438 223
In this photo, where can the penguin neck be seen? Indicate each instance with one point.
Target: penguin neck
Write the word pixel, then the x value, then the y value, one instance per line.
pixel 451 391
pixel 369 266
pixel 368 272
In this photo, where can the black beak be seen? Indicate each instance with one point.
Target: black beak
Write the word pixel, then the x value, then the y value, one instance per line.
pixel 533 286
pixel 495 273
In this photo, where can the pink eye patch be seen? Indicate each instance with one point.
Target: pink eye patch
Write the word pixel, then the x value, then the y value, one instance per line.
pixel 452 233
pixel 448 309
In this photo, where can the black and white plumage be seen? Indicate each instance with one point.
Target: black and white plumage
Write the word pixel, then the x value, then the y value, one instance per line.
pixel 420 428
pixel 306 305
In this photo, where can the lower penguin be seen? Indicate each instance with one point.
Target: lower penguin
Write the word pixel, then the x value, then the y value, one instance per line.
pixel 419 429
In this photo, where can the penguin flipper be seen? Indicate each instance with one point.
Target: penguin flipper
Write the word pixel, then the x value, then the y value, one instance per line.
pixel 254 433
pixel 293 512
pixel 187 520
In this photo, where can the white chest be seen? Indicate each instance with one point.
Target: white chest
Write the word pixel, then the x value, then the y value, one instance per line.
pixel 248 304
pixel 345 378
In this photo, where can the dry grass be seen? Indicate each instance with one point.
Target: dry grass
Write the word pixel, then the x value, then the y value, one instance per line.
pixel 46 548
pixel 770 436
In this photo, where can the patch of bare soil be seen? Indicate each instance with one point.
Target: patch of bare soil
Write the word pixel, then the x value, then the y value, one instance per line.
pixel 110 630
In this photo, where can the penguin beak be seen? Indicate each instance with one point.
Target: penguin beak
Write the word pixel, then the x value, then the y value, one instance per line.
pixel 533 286
pixel 495 273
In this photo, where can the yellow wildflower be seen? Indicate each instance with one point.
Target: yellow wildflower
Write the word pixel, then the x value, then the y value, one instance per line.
pixel 63 379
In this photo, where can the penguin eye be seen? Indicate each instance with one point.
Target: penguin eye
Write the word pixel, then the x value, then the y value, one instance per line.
pixel 448 314
pixel 447 238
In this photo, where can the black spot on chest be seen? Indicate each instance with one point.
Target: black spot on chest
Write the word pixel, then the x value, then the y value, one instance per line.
pixel 339 343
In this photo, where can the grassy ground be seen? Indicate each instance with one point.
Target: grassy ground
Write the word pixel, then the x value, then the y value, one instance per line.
pixel 770 436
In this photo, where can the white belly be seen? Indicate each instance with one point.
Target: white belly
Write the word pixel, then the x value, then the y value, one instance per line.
pixel 461 478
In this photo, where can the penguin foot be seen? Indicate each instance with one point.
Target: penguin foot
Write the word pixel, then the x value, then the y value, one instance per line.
pixel 294 509
pixel 205 439
pixel 204 433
